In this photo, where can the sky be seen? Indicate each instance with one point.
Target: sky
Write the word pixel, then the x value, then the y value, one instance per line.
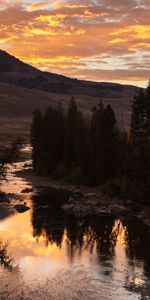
pixel 99 40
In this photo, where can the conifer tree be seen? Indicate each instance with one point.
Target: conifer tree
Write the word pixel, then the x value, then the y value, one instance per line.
pixel 50 140
pixel 104 142
pixel 71 133
pixel 111 142
pixel 59 134
pixel 138 117
pixel 36 139
pixel 147 108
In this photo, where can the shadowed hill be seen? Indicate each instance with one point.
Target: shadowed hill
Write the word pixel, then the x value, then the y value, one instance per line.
pixel 24 88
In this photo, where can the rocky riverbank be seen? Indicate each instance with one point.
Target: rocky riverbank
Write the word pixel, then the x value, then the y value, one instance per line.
pixel 88 200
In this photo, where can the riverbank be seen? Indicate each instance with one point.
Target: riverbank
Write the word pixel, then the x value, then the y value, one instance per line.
pixel 87 200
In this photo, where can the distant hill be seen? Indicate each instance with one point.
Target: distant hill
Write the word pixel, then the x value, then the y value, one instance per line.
pixel 23 88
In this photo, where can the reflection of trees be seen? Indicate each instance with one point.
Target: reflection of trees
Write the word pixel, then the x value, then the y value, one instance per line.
pixel 94 233
pixel 139 241
pixel 5 260
pixel 50 221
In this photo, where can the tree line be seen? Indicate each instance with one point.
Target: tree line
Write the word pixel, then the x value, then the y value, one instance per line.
pixel 95 151
pixel 8 155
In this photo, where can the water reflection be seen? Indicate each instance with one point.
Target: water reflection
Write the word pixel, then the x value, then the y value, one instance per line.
pixel 5 260
pixel 120 247
pixel 45 242
pixel 103 235
pixel 138 242
pixel 55 226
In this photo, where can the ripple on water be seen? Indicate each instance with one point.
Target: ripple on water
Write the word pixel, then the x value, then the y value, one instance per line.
pixel 66 284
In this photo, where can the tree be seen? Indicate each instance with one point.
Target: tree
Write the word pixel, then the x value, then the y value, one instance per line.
pixel 147 108
pixel 97 138
pixel 111 143
pixel 49 140
pixel 9 155
pixel 71 133
pixel 60 134
pixel 36 140
pixel 104 139
pixel 138 117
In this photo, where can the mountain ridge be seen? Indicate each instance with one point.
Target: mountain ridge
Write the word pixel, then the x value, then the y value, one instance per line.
pixel 24 88
pixel 30 77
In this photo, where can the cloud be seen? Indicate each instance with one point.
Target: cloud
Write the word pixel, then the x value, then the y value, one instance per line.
pixel 89 38
pixel 37 6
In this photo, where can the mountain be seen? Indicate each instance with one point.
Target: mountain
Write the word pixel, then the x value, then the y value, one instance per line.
pixel 23 88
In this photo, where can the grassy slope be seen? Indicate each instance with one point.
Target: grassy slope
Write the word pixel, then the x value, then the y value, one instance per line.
pixel 17 105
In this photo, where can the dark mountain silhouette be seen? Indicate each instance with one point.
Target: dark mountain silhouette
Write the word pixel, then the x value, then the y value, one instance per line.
pixel 23 88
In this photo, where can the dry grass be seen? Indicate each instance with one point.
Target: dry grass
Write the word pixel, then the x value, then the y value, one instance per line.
pixel 17 105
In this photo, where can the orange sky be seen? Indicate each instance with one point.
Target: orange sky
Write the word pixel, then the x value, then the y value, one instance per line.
pixel 102 40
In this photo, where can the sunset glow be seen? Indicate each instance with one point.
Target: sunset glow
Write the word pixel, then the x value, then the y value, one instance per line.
pixel 101 40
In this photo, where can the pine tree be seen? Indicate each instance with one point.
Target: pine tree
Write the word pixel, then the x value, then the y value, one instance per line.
pixel 147 108
pixel 111 142
pixel 60 134
pixel 36 140
pixel 71 133
pixel 50 140
pixel 104 142
pixel 138 117
pixel 140 129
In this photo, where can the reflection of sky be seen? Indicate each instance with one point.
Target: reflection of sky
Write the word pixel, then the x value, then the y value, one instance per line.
pixel 17 231
pixel 37 259
pixel 41 260
pixel 121 261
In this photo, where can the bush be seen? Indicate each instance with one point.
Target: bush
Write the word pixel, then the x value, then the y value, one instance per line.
pixel 60 171
pixel 75 175
pixel 112 189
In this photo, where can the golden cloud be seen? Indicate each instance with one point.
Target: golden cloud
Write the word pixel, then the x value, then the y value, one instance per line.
pixel 37 6
pixel 59 35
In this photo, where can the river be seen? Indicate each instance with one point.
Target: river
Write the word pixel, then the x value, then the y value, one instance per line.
pixel 60 257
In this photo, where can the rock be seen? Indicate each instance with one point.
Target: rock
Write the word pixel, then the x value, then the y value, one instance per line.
pixel 89 195
pixel 77 209
pixel 21 208
pixel 103 212
pixel 128 202
pixel 119 209
pixel 71 200
pixel 78 194
pixel 29 165
pixel 92 202
pixel 68 207
pixel 11 195
pixel 4 198
pixel 27 190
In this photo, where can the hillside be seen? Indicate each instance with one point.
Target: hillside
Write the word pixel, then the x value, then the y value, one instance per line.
pixel 23 88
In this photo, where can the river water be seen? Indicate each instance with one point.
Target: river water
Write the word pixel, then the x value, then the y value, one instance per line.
pixel 60 257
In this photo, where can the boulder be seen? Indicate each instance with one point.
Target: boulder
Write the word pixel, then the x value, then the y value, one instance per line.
pixel 27 190
pixel 89 195
pixel 21 208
